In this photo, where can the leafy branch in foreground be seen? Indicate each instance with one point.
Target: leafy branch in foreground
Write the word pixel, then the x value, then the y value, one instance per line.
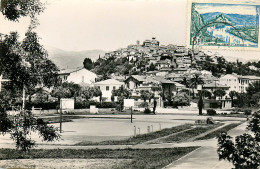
pixel 244 153
pixel 22 125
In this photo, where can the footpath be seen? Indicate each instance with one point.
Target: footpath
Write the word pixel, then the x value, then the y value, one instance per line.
pixel 206 156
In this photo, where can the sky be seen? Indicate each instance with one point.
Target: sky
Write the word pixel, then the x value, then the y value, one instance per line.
pixel 77 25
pixel 108 24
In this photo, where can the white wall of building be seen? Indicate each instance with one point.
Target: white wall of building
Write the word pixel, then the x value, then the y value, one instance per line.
pixel 82 76
pixel 107 86
pixel 236 83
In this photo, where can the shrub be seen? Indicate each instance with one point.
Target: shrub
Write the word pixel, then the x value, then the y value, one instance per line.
pixel 147 111
pixel 168 104
pixel 211 112
pixel 210 120
pixel 144 104
pixel 106 105
pixel 248 112
pixel 215 104
pixel 43 105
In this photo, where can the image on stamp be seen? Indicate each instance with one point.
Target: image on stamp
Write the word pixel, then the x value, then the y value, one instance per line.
pixel 229 25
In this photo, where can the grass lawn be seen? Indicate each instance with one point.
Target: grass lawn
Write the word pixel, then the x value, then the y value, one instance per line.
pixel 183 136
pixel 65 118
pixel 217 132
pixel 141 138
pixel 140 158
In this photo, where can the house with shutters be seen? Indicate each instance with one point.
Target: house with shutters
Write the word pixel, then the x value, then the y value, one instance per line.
pixel 107 86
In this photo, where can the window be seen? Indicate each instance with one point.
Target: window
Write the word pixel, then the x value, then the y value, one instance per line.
pixel 107 88
pixel 114 87
pixel 65 77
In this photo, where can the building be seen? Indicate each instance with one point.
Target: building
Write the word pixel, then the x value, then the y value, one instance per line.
pixel 107 86
pixel 78 76
pixel 163 64
pixel 134 81
pixel 151 43
pixel 253 79
pixel 235 82
pixel 215 86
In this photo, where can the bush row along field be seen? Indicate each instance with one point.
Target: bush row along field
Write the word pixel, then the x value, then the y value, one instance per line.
pixel 183 136
pixel 219 131
pixel 140 158
pixel 141 138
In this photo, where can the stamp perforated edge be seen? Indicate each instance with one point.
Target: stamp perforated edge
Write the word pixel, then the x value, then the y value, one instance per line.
pixel 188 24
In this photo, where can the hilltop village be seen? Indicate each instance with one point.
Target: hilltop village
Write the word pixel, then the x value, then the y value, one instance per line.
pixel 172 75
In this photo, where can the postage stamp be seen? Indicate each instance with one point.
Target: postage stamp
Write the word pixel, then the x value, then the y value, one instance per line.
pixel 223 24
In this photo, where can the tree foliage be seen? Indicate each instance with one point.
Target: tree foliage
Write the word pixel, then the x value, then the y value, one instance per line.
pixel 66 90
pixel 25 63
pixel 121 93
pixel 146 95
pixel 22 125
pixel 196 80
pixel 244 153
pixel 219 93
pixel 232 94
pixel 88 64
pixel 90 92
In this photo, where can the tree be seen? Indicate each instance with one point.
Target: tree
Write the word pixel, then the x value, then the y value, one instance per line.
pixel 232 94
pixel 15 9
pixel 206 93
pixel 90 92
pixel 195 81
pixel 121 93
pixel 243 99
pixel 88 64
pixel 244 153
pixel 146 95
pixel 26 65
pixel 66 90
pixel 185 82
pixel 220 93
pixel 152 67
pixel 253 88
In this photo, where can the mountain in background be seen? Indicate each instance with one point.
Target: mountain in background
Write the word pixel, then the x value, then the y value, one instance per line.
pixel 236 19
pixel 72 59
pixel 222 18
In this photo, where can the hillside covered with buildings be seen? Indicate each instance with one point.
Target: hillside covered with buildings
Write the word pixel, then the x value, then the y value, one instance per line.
pixel 170 73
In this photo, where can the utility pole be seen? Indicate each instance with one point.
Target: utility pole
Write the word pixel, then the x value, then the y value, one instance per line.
pixel 23 105
pixel 60 116
pixel 131 114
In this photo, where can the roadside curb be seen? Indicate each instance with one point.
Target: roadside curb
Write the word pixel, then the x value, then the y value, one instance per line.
pixel 171 164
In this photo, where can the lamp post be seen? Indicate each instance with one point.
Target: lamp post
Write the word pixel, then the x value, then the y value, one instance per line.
pixel 200 102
